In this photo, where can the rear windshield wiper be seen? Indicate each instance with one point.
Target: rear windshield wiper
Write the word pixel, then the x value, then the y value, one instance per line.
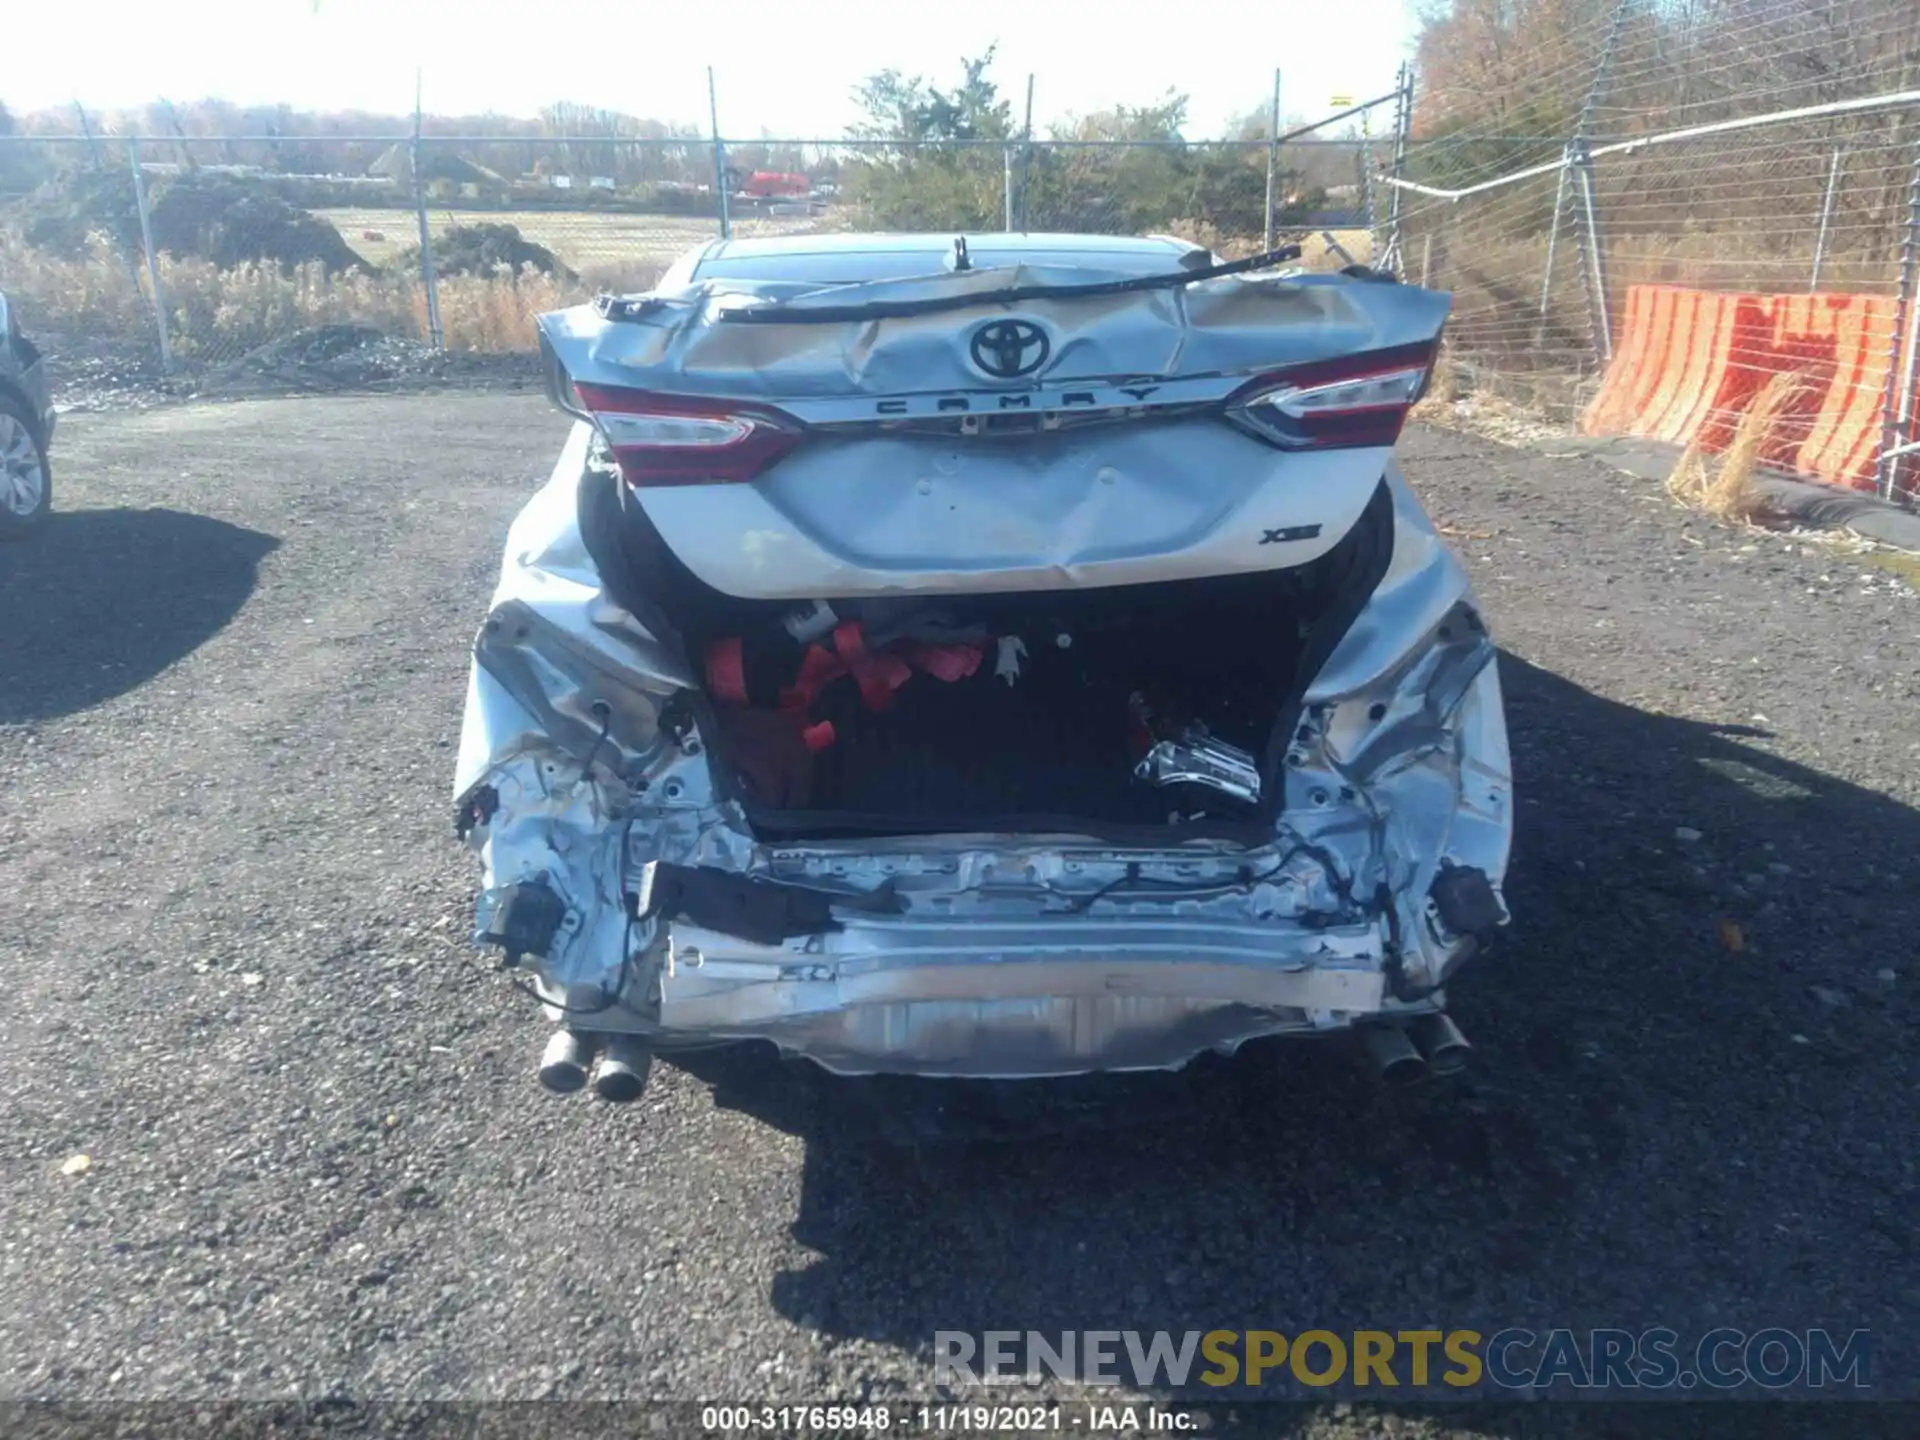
pixel 783 314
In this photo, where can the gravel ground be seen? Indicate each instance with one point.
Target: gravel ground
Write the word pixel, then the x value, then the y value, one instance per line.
pixel 320 1166
pixel 116 373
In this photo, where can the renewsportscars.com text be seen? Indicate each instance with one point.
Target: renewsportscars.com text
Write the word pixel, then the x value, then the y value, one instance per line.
pixel 1514 1358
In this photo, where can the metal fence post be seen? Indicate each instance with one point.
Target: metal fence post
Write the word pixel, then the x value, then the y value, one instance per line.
pixel 1897 395
pixel 1579 163
pixel 1553 245
pixel 1026 157
pixel 1402 128
pixel 436 336
pixel 1904 454
pixel 1826 220
pixel 153 260
pixel 1369 192
pixel 1273 161
pixel 719 157
pixel 1592 265
pixel 1006 188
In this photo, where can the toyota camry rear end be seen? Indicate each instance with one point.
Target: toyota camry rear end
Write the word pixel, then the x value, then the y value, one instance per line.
pixel 988 656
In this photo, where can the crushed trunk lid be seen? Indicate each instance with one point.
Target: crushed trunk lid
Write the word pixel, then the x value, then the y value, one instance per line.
pixel 935 435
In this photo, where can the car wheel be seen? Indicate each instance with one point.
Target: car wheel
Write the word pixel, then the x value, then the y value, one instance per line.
pixel 26 480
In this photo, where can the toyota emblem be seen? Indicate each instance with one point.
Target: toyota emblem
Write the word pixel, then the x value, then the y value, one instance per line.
pixel 1008 349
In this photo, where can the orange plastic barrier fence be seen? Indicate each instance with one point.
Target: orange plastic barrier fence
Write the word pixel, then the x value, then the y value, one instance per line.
pixel 1690 362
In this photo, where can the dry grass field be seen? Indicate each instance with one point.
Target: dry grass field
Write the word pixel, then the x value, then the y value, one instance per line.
pixel 218 314
pixel 586 241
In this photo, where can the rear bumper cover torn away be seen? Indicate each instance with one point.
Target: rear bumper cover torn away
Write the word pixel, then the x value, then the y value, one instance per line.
pixel 982 954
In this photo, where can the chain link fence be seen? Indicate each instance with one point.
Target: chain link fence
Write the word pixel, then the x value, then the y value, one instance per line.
pixel 1600 147
pixel 199 251
pixel 195 251
pixel 1767 149
pixel 1790 207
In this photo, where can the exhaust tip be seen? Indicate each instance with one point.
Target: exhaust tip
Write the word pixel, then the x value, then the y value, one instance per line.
pixel 1394 1055
pixel 1440 1040
pixel 563 1064
pixel 622 1073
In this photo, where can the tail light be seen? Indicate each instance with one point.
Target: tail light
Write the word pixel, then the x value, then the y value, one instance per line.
pixel 686 439
pixel 673 439
pixel 1356 401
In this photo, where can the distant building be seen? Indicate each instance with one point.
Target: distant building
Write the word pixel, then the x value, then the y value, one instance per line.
pixel 437 162
pixel 766 184
pixel 601 182
pixel 174 167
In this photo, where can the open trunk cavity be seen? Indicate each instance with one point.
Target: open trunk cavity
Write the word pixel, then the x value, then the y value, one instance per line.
pixel 815 746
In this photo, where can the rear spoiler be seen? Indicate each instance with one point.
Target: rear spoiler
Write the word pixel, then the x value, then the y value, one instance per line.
pixel 618 307
pixel 821 354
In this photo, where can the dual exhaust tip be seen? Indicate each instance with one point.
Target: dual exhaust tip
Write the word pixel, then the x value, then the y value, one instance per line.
pixel 1406 1055
pixel 620 1075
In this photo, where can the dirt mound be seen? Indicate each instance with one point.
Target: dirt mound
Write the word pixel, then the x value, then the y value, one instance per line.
pixel 194 216
pixel 229 224
pixel 63 214
pixel 485 248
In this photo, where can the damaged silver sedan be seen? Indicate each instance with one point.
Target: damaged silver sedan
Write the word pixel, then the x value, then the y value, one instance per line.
pixel 1008 656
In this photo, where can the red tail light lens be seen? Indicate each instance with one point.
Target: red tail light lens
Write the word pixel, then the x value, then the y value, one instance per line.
pixel 1357 401
pixel 687 439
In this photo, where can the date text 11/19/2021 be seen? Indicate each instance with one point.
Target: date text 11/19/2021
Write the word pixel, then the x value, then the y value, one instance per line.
pixel 1090 1419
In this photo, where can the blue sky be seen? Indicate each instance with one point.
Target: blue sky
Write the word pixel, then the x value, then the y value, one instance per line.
pixel 782 68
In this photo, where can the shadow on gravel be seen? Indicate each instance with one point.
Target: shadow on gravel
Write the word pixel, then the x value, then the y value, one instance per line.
pixel 101 601
pixel 1690 1107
